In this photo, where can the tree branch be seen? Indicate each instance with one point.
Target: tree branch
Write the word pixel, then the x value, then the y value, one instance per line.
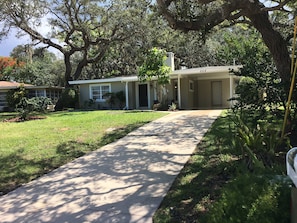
pixel 280 6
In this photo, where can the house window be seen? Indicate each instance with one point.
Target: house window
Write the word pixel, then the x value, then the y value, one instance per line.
pixel 98 91
pixel 40 93
pixel 191 86
pixel 37 93
pixel 3 101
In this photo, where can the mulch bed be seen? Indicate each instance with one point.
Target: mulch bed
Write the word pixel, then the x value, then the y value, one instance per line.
pixel 19 119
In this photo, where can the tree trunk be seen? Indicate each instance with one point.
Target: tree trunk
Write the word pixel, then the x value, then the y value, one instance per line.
pixel 275 43
pixel 68 69
pixel 79 68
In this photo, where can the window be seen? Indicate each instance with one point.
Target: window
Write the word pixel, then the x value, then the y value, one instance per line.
pixel 97 92
pixel 3 101
pixel 37 93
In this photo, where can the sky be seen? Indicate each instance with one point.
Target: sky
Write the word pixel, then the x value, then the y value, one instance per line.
pixel 10 42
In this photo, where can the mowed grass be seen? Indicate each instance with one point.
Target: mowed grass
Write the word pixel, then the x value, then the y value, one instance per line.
pixel 30 149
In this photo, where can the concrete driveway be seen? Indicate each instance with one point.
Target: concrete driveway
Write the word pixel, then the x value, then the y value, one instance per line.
pixel 122 182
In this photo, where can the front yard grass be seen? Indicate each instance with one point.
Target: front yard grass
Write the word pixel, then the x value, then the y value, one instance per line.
pixel 30 149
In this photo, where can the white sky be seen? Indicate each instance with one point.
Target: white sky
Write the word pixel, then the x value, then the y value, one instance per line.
pixel 10 42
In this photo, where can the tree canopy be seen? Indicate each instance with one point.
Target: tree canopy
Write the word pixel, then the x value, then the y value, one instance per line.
pixel 8 66
pixel 267 17
pixel 154 67
pixel 81 27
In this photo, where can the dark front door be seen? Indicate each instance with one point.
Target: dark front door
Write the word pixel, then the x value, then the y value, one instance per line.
pixel 143 97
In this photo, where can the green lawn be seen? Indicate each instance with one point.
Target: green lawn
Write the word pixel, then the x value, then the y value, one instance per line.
pixel 30 149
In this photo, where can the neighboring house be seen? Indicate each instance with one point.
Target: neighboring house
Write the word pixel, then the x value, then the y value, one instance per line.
pixel 196 88
pixel 33 91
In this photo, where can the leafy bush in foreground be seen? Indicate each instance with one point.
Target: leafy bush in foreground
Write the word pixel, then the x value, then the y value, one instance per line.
pixel 36 104
pixel 253 199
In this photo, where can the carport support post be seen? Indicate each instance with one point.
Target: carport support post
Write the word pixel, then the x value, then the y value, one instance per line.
pixel 149 95
pixel 179 91
pixel 231 90
pixel 127 95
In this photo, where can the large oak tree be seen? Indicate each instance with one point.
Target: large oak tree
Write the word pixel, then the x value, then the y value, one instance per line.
pixel 82 29
pixel 204 15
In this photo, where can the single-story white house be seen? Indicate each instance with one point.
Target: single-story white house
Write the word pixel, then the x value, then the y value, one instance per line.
pixel 33 91
pixel 195 88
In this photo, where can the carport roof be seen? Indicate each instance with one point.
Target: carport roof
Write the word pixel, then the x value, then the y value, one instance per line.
pixel 200 73
pixel 204 72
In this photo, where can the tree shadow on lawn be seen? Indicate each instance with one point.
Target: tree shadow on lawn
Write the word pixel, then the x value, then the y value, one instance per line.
pixel 197 186
pixel 16 170
pixel 122 182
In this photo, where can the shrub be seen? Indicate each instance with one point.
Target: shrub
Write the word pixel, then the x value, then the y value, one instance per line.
pixel 172 107
pixel 110 98
pixel 90 104
pixel 121 97
pixel 14 96
pixel 68 99
pixel 255 138
pixel 248 91
pixel 118 98
pixel 36 104
pixel 252 199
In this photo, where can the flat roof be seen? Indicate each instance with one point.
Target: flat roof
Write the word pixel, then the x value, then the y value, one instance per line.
pixel 204 70
pixel 199 72
pixel 106 80
pixel 6 85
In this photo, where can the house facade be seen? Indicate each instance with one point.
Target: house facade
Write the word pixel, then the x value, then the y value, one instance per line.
pixel 33 91
pixel 196 88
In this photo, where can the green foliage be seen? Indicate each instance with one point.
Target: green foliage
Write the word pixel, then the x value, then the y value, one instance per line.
pixel 258 142
pixel 248 91
pixel 68 99
pixel 252 199
pixel 172 107
pixel 84 40
pixel 118 98
pixel 42 68
pixel 121 97
pixel 14 96
pixel 154 67
pixel 260 86
pixel 36 104
pixel 90 104
pixel 110 98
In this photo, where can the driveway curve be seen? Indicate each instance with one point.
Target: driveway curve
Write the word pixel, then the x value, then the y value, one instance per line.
pixel 122 182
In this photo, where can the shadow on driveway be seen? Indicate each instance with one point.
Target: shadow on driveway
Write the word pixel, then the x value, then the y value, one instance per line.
pixel 122 182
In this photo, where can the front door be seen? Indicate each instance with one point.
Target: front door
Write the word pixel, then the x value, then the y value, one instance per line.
pixel 216 88
pixel 143 96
